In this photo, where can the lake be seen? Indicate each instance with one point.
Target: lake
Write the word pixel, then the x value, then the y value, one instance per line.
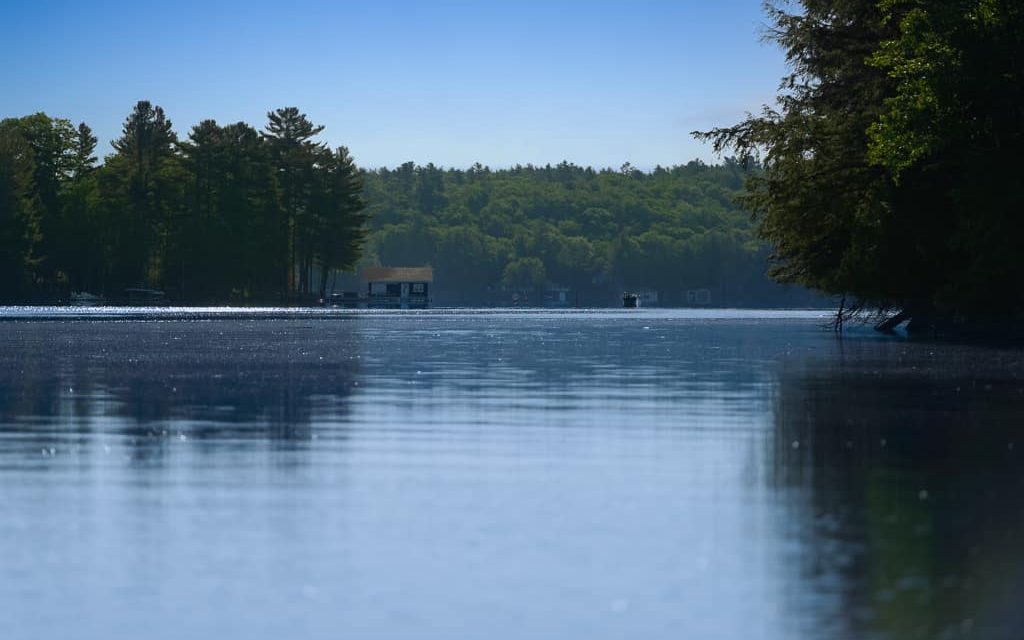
pixel 491 474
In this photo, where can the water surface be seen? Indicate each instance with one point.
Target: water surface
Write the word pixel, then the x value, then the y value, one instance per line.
pixel 621 474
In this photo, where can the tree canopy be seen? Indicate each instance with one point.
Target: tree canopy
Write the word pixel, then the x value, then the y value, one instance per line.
pixel 227 214
pixel 537 230
pixel 888 166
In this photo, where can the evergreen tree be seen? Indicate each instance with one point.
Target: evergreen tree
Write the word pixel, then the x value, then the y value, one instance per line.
pixel 79 245
pixel 819 201
pixel 51 141
pixel 340 223
pixel 142 191
pixel 950 135
pixel 429 190
pixel 146 137
pixel 231 214
pixel 888 163
pixel 230 245
pixel 19 218
pixel 296 157
pixel 83 161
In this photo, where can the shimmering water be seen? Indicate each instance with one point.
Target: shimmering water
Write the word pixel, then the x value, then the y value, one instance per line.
pixel 632 474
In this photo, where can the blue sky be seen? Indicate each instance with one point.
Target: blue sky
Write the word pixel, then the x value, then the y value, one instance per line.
pixel 453 83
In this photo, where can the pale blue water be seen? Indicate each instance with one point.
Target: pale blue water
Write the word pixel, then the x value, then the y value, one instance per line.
pixel 622 474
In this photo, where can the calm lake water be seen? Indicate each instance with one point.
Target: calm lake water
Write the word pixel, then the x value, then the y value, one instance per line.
pixel 622 474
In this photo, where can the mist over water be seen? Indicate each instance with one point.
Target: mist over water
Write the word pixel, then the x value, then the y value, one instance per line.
pixel 617 474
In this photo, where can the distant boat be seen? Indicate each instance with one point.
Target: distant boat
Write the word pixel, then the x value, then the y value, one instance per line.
pixel 144 297
pixel 630 300
pixel 85 299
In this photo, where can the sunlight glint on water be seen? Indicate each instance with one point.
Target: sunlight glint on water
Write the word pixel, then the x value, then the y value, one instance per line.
pixel 652 473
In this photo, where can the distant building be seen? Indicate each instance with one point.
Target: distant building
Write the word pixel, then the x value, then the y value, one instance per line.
pixel 398 287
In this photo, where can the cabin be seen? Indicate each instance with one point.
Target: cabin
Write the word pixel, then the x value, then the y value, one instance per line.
pixel 398 287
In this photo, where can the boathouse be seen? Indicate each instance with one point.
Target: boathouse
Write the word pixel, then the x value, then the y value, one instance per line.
pixel 398 287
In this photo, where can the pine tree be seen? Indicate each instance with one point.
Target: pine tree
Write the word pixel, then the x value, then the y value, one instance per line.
pixel 19 218
pixel 341 229
pixel 80 243
pixel 819 201
pixel 142 185
pixel 83 160
pixel 296 156
pixel 228 245
pixel 889 164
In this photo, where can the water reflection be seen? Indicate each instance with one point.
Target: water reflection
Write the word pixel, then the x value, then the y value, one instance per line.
pixel 596 372
pixel 193 380
pixel 903 467
pixel 597 475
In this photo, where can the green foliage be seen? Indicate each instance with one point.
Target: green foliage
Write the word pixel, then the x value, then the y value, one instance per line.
pixel 229 214
pixel 524 274
pixel 82 160
pixel 319 196
pixel 80 251
pixel 142 189
pixel 889 165
pixel 339 220
pixel 229 244
pixel 489 233
pixel 19 218
pixel 51 141
pixel 950 135
pixel 232 213
pixel 819 202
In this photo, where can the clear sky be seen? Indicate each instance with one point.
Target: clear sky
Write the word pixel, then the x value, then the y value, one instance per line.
pixel 596 83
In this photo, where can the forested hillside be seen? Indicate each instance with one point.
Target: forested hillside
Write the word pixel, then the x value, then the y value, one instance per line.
pixel 491 234
pixel 233 214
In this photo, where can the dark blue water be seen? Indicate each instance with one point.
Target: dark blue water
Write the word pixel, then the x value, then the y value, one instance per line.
pixel 633 474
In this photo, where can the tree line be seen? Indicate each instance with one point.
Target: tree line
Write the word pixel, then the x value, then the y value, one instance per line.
pixel 492 233
pixel 228 214
pixel 890 163
pixel 232 214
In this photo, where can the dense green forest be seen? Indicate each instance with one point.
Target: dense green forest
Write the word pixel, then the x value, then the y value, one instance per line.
pixel 530 230
pixel 886 175
pixel 890 165
pixel 232 214
pixel 229 214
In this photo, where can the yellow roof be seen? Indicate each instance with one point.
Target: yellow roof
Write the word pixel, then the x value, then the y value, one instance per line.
pixel 398 274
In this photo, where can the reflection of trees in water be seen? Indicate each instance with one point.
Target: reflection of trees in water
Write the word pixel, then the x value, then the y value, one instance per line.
pixel 538 356
pixel 913 488
pixel 223 379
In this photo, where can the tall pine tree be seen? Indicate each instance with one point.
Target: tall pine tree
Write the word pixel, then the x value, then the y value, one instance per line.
pixel 19 217
pixel 297 158
pixel 142 185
